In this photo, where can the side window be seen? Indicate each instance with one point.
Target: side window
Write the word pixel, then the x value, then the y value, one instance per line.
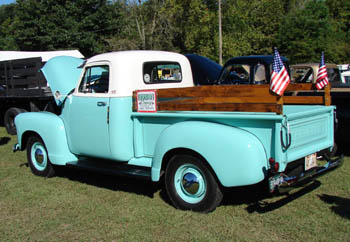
pixel 333 75
pixel 235 74
pixel 260 74
pixel 347 79
pixel 161 72
pixel 95 80
pixel 302 74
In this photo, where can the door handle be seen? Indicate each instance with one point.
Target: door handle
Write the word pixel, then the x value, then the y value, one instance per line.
pixel 101 104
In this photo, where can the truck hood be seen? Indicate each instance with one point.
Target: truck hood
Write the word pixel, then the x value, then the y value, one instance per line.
pixel 62 74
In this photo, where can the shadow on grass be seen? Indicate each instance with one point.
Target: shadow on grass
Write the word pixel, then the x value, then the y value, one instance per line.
pixel 254 195
pixel 4 140
pixel 26 164
pixel 111 182
pixel 341 136
pixel 251 195
pixel 341 206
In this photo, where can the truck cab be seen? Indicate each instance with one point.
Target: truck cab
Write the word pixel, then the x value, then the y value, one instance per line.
pixel 102 100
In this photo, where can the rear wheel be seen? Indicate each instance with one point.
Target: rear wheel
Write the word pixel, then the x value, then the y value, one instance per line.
pixel 38 158
pixel 9 119
pixel 191 185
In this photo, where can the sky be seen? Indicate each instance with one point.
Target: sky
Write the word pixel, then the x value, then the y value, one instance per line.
pixel 6 1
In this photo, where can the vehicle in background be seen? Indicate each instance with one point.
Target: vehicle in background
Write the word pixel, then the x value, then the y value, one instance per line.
pixel 307 73
pixel 345 77
pixel 255 69
pixel 23 88
pixel 345 72
pixel 204 70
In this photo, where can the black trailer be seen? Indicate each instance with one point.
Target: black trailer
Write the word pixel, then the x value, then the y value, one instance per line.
pixel 23 88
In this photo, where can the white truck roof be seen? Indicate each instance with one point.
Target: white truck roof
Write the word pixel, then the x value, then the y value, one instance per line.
pixel 45 55
pixel 127 70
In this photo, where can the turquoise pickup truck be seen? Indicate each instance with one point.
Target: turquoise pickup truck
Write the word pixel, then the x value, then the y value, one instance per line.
pixel 115 117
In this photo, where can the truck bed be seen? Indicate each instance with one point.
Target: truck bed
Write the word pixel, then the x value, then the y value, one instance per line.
pixel 303 129
pixel 287 129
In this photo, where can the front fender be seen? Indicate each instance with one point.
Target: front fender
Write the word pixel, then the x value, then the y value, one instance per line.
pixel 236 156
pixel 50 128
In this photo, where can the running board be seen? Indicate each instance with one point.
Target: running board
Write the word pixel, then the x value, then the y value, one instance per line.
pixel 111 168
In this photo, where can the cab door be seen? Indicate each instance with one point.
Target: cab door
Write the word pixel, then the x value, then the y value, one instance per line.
pixel 89 114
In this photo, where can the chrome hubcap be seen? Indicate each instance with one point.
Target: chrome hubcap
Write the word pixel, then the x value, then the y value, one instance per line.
pixel 190 183
pixel 39 156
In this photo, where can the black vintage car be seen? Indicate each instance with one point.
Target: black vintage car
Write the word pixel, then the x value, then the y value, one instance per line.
pixel 254 69
pixel 204 70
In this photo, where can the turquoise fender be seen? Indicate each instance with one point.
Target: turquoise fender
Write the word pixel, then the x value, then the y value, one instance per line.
pixel 236 156
pixel 50 128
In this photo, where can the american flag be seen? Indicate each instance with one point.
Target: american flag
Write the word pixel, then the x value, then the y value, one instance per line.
pixel 322 76
pixel 279 76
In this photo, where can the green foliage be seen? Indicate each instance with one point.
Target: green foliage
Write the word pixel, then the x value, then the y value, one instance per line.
pixel 51 25
pixel 340 20
pixel 7 40
pixel 301 29
pixel 306 32
pixel 146 26
pixel 249 26
pixel 197 29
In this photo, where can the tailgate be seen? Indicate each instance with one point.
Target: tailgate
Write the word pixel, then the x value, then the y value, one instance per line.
pixel 311 129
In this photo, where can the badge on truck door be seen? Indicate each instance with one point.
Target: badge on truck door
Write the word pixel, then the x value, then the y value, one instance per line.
pixel 146 101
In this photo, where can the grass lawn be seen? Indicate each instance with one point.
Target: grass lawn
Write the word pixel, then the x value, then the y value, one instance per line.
pixel 83 206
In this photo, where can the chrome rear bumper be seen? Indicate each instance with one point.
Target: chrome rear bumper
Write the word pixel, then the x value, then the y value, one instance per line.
pixel 288 183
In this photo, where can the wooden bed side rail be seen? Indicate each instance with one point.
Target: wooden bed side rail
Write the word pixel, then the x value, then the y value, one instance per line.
pixel 315 96
pixel 244 98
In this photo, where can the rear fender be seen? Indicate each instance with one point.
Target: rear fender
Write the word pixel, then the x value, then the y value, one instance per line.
pixel 50 128
pixel 236 156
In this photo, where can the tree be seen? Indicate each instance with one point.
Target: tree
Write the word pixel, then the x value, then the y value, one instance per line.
pixel 305 33
pixel 7 40
pixel 249 27
pixel 146 27
pixel 301 29
pixel 340 14
pixel 52 25
pixel 194 26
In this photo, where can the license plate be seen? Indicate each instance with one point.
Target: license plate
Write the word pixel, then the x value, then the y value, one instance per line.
pixel 310 161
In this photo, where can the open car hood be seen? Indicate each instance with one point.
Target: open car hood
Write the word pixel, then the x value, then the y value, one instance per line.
pixel 62 74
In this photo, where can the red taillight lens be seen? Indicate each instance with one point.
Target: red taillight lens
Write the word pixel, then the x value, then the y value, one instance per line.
pixel 274 165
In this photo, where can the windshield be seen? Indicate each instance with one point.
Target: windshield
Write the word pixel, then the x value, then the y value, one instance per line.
pixel 244 74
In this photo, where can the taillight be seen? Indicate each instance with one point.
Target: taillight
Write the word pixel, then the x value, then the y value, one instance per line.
pixel 275 166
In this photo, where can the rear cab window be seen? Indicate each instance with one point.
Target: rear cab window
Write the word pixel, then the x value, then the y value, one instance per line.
pixel 161 72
